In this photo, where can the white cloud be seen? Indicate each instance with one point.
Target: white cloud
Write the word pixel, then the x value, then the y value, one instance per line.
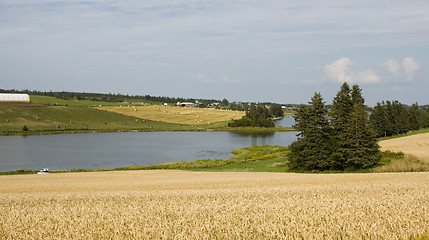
pixel 393 66
pixel 340 71
pixel 409 67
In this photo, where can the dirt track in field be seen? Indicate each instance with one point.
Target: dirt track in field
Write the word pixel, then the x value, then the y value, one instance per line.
pixel 416 145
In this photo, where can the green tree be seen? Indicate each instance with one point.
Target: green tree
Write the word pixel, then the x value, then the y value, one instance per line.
pixel 342 106
pixel 359 145
pixel 414 116
pixel 379 120
pixel 224 102
pixel 340 114
pixel 276 110
pixel 257 116
pixel 356 96
pixel 356 145
pixel 311 150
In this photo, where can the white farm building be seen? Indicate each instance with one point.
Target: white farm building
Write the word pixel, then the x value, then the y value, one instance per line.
pixel 185 104
pixel 14 97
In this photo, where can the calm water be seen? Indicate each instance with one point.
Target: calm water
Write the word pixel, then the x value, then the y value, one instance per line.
pixel 110 150
pixel 288 121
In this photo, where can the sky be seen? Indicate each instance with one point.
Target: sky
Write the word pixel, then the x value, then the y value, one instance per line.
pixel 260 51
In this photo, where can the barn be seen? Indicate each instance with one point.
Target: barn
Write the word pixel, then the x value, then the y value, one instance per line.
pixel 14 97
pixel 186 104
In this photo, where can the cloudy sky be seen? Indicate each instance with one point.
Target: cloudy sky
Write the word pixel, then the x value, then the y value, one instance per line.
pixel 243 50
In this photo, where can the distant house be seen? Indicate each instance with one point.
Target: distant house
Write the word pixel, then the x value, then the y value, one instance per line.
pixel 186 104
pixel 14 97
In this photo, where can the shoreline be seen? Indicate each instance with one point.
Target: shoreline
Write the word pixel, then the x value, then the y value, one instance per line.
pixel 197 129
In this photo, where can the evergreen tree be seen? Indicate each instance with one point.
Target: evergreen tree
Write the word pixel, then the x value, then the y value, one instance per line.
pixel 257 116
pixel 379 120
pixel 340 114
pixel 400 118
pixel 276 110
pixel 342 106
pixel 357 145
pixel 360 146
pixel 311 151
pixel 414 116
pixel 356 95
pixel 302 122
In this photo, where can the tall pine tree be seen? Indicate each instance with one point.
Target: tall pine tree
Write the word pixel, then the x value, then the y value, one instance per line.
pixel 342 107
pixel 311 151
pixel 346 142
pixel 359 143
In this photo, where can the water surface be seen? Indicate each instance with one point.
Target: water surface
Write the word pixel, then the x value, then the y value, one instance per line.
pixel 110 150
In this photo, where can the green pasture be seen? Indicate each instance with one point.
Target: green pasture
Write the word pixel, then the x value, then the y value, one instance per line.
pixel 45 115
pixel 57 101
pixel 64 119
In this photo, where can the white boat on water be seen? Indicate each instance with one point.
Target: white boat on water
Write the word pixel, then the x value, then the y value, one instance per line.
pixel 43 171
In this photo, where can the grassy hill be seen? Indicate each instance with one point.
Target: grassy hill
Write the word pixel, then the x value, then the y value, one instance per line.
pixel 52 115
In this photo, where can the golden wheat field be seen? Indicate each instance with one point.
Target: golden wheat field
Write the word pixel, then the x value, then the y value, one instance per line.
pixel 179 115
pixel 416 145
pixel 195 205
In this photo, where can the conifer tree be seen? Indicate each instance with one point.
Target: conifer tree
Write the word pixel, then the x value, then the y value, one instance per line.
pixel 360 145
pixel 379 120
pixel 356 143
pixel 342 107
pixel 311 150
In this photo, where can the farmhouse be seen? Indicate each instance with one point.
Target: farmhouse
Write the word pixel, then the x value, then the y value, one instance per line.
pixel 186 104
pixel 14 97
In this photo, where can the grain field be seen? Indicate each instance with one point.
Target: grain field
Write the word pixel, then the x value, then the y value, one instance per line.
pixel 194 205
pixel 416 145
pixel 179 115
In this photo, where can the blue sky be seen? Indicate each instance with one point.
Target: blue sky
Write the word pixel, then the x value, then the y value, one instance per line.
pixel 273 50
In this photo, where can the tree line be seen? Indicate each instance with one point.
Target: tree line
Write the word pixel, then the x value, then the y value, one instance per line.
pixel 258 116
pixel 110 97
pixel 341 139
pixel 390 118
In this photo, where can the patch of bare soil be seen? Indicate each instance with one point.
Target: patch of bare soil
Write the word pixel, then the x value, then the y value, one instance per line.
pixel 416 145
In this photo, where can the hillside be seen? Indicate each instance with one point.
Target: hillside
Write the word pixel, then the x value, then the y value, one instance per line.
pixel 52 115
pixel 416 145
pixel 179 115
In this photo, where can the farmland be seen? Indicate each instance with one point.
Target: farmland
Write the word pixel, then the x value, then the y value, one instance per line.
pixel 52 115
pixel 196 205
pixel 177 115
pixel 416 145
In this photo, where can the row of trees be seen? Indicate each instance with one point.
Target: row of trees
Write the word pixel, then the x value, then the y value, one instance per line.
pixel 389 118
pixel 339 140
pixel 258 116
pixel 111 97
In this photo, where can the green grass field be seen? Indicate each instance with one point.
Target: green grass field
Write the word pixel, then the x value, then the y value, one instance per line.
pixel 46 115
pixel 41 117
pixel 57 101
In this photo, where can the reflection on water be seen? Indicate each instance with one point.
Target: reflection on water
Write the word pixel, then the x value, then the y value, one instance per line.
pixel 253 134
pixel 256 138
pixel 110 150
